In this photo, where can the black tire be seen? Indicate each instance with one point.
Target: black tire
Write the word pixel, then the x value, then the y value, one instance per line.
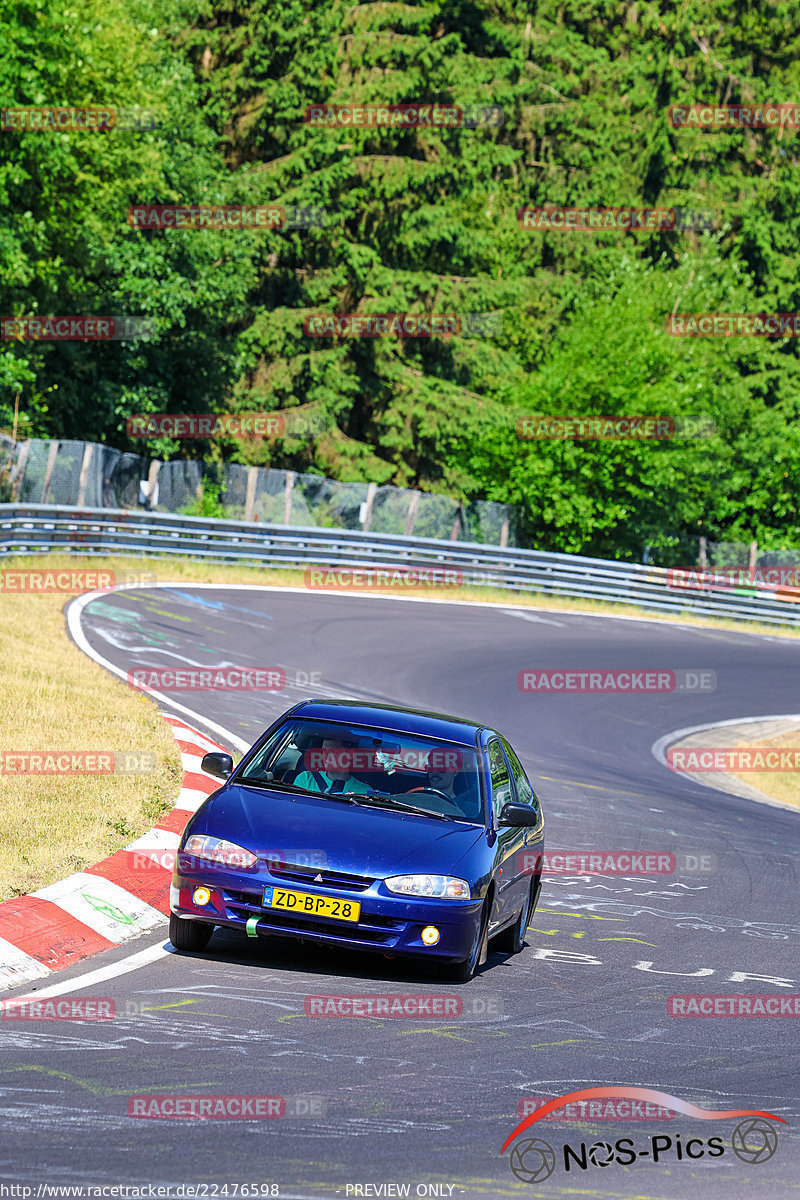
pixel 189 935
pixel 462 972
pixel 512 940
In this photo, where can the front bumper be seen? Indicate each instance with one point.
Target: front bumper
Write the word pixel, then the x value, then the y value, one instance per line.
pixel 387 923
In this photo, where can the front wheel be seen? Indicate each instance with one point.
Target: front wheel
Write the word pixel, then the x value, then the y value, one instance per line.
pixel 463 971
pixel 513 939
pixel 189 935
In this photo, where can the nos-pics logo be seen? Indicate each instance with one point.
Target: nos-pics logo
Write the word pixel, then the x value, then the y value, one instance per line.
pixel 754 1140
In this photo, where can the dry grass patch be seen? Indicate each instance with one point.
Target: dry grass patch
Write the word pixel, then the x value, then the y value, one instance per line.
pixel 780 785
pixel 54 698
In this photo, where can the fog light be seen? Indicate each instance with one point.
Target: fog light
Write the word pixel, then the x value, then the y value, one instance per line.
pixel 201 896
pixel 430 935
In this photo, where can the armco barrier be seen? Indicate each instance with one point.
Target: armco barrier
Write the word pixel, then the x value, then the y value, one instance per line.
pixel 39 528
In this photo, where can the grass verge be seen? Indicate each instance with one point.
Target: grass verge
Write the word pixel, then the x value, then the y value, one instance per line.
pixel 55 699
pixel 779 785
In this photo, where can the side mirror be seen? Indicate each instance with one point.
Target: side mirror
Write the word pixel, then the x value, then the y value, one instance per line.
pixel 518 815
pixel 217 764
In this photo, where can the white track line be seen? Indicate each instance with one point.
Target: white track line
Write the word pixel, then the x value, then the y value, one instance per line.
pixel 142 958
pixel 660 747
pixel 74 611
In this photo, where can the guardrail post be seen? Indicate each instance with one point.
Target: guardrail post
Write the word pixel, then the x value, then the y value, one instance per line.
pixel 88 451
pixel 48 475
pixel 753 559
pixel 250 498
pixel 18 470
pixel 152 483
pixel 371 490
pixel 412 513
pixel 287 497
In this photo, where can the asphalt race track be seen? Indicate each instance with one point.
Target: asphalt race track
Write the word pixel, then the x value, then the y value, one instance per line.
pixel 423 1102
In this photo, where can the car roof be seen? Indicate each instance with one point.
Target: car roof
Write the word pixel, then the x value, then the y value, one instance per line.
pixel 391 718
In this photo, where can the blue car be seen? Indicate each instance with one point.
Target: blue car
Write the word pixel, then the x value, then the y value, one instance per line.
pixel 367 827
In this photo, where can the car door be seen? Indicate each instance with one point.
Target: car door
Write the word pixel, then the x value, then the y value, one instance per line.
pixel 510 841
pixel 533 837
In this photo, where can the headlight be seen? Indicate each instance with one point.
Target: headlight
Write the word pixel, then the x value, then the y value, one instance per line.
pixel 220 852
pixel 443 887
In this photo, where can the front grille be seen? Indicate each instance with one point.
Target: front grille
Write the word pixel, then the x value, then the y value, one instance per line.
pixel 366 930
pixel 333 879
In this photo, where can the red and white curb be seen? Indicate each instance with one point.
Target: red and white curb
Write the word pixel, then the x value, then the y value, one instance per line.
pixel 118 898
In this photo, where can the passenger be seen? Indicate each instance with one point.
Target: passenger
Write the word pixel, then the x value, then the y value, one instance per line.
pixel 337 776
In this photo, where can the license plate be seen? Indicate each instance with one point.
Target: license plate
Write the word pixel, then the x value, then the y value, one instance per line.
pixel 315 906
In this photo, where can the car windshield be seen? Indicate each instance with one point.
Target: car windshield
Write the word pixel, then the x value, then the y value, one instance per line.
pixel 350 762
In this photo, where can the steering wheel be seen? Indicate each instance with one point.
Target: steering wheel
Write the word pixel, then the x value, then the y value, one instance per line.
pixel 436 792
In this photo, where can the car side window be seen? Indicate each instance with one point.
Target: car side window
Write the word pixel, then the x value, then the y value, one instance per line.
pixel 502 788
pixel 525 793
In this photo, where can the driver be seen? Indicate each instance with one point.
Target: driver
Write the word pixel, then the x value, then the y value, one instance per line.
pixel 444 781
pixel 337 776
pixel 443 775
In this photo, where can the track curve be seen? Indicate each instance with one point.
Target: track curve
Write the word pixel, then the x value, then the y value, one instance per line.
pixel 414 1101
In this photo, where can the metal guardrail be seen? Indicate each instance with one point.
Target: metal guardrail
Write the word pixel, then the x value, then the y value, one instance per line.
pixel 39 528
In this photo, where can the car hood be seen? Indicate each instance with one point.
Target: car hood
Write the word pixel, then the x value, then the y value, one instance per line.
pixel 345 837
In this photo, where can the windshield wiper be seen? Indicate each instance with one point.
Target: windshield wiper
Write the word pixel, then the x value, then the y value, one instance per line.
pixel 260 782
pixel 387 801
